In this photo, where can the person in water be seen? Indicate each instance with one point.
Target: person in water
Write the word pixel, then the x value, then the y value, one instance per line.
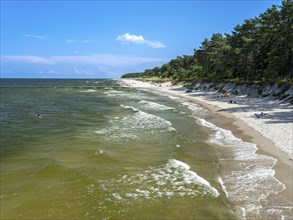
pixel 39 115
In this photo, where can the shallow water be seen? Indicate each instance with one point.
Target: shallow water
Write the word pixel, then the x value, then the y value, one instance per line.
pixel 100 151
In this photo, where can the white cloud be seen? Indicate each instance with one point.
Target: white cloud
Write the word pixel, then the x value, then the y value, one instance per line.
pixel 80 65
pixel 28 59
pixel 51 71
pixel 82 72
pixel 155 44
pixel 35 36
pixel 138 39
pixel 104 59
pixel 107 60
pixel 70 41
pixel 128 38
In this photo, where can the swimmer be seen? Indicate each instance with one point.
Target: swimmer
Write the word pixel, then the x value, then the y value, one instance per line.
pixel 39 115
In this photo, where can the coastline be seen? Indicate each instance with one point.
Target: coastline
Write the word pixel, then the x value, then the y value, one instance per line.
pixel 263 133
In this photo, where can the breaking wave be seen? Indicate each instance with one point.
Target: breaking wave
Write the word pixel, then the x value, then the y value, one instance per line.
pixel 250 180
pixel 172 179
pixel 147 105
pixel 140 125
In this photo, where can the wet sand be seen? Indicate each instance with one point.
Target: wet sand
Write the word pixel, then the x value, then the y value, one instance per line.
pixel 241 130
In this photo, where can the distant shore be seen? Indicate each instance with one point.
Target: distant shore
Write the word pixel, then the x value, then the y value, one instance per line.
pixel 270 128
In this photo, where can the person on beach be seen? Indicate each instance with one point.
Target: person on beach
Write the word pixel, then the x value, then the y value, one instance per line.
pixel 232 102
pixel 261 114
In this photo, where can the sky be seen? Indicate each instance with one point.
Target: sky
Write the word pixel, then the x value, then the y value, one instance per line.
pixel 105 39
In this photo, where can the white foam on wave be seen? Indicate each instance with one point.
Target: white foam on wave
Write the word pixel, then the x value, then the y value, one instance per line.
pixel 225 138
pixel 178 164
pixel 192 106
pixel 172 179
pixel 147 105
pixel 136 126
pixel 99 151
pixel 129 107
pixel 89 90
pixel 125 94
pixel 223 186
pixel 250 181
pixel 114 93
pixel 191 176
pixel 175 98
pixel 145 120
pixel 117 197
pixel 195 108
pixel 102 131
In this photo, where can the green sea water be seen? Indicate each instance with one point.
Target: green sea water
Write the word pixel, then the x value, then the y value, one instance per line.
pixel 101 151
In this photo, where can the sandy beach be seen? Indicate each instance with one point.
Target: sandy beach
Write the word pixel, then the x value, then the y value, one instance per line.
pixel 271 131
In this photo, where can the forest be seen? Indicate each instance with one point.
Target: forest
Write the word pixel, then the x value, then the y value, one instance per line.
pixel 261 49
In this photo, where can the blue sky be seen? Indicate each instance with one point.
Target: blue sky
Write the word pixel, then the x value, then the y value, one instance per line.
pixel 105 39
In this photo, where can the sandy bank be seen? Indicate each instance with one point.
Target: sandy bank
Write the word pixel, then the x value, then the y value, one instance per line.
pixel 272 132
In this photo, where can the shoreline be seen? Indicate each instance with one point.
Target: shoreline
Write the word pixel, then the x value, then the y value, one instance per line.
pixel 235 122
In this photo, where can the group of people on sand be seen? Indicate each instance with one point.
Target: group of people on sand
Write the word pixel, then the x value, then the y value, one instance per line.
pixel 225 95
pixel 232 102
pixel 260 115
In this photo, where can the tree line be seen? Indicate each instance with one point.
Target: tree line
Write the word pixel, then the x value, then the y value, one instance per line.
pixel 260 49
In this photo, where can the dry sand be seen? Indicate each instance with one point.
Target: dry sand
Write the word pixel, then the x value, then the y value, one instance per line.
pixel 273 132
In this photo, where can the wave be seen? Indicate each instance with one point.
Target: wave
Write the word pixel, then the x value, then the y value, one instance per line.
pixel 192 106
pixel 172 179
pixel 137 126
pixel 147 105
pixel 89 90
pixel 145 120
pixel 248 177
pixel 225 138
pixel 129 107
pixel 223 186
pixel 126 94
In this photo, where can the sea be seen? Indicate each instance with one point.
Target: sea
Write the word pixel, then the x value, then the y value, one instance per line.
pixel 94 149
